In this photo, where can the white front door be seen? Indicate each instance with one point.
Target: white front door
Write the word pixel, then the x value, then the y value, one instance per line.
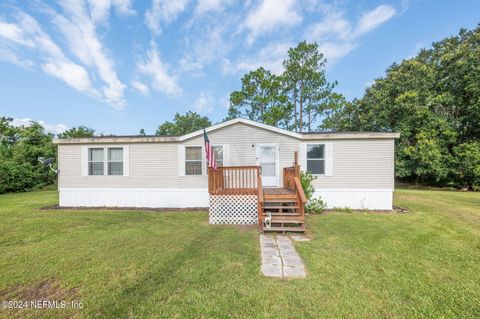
pixel 267 158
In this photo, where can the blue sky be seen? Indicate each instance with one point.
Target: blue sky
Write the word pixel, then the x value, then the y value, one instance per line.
pixel 121 65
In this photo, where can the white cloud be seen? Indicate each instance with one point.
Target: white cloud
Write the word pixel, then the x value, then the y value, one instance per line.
pixel 77 25
pixel 79 30
pixel 100 9
pixel 73 74
pixel 12 57
pixel 205 49
pixel 204 103
pixel 140 87
pixel 225 101
pixel 372 19
pixel 204 6
pixel 55 63
pixel 152 67
pixel 335 51
pixel 334 25
pixel 14 33
pixel 337 36
pixel 270 57
pixel 163 11
pixel 269 15
pixel 51 128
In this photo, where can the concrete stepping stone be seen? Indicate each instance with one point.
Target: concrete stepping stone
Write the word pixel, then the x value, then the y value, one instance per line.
pixel 300 238
pixel 272 270
pixel 294 272
pixel 280 259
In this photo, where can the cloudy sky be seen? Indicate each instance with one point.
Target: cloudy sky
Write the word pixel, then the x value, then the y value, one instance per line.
pixel 122 65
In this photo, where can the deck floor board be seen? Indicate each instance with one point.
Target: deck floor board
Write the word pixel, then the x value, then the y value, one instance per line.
pixel 246 191
pixel 277 191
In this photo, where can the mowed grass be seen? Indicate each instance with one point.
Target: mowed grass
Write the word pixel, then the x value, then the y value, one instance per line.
pixel 143 264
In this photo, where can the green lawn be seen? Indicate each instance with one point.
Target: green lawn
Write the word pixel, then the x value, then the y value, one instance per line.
pixel 132 264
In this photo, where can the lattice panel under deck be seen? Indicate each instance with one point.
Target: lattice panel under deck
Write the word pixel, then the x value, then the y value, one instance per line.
pixel 233 209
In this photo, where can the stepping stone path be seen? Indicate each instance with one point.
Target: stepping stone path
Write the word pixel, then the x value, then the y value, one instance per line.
pixel 280 259
pixel 299 238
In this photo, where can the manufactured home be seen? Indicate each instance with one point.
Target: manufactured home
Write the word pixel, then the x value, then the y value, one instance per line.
pixel 353 169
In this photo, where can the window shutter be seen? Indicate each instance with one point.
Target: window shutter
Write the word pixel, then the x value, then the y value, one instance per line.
pixel 105 161
pixel 226 154
pixel 181 160
pixel 84 160
pixel 329 159
pixel 204 162
pixel 303 156
pixel 126 160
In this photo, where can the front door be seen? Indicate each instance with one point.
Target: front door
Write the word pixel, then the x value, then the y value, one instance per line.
pixel 267 158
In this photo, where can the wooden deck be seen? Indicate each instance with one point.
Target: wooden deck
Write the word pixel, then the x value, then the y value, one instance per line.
pixel 268 192
pixel 237 191
pixel 278 191
pixel 279 209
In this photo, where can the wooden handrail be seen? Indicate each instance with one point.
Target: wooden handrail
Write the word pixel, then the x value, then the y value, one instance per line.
pixel 260 200
pixel 291 180
pixel 301 193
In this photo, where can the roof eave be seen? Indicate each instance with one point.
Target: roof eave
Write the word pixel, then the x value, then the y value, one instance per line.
pixel 343 136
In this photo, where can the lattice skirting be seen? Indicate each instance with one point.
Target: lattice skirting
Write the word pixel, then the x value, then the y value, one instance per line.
pixel 233 209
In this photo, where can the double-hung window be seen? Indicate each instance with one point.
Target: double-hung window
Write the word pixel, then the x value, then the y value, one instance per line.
pixel 316 159
pixel 115 161
pixel 95 161
pixel 218 152
pixel 109 159
pixel 193 160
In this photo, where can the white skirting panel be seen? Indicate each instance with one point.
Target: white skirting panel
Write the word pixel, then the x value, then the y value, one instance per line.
pixel 381 199
pixel 133 197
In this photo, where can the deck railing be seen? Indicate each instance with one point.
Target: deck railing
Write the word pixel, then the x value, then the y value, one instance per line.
pixel 291 180
pixel 234 180
pixel 247 180
pixel 289 174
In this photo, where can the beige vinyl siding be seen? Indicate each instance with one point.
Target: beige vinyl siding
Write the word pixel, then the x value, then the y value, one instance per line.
pixel 357 163
pixel 360 164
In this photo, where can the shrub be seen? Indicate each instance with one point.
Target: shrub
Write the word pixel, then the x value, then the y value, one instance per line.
pixel 315 206
pixel 306 179
pixel 468 165
pixel 16 177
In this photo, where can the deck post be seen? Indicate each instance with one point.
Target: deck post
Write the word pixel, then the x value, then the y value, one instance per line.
pixel 295 163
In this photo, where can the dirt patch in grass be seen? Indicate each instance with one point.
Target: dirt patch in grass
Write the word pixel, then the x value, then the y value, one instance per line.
pixel 149 209
pixel 48 289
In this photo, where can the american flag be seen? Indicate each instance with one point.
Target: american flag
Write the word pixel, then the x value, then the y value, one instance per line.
pixel 209 153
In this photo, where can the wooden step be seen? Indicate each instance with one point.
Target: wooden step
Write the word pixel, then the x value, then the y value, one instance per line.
pixel 279 197
pixel 282 214
pixel 284 229
pixel 286 221
pixel 279 207
pixel 280 200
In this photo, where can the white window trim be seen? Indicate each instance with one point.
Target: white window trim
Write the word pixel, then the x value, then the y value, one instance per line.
pixel 85 162
pixel 202 160
pixel 108 161
pixel 223 153
pixel 89 161
pixel 318 159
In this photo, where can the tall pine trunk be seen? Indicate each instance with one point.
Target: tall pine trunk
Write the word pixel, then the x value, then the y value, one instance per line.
pixel 309 119
pixel 301 107
pixel 295 110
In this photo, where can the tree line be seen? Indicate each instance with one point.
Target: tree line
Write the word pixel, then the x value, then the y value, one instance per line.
pixel 432 100
pixel 294 100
